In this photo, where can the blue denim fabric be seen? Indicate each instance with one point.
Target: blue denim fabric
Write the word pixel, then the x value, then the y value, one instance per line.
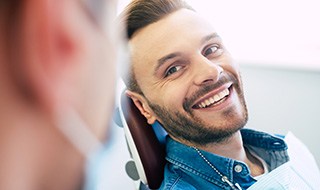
pixel 186 170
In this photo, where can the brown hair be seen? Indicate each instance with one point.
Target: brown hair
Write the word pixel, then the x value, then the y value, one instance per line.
pixel 139 14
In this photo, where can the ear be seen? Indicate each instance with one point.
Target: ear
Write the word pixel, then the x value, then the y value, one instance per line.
pixel 141 103
pixel 50 51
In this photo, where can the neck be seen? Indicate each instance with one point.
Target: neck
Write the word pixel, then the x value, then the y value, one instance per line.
pixel 231 148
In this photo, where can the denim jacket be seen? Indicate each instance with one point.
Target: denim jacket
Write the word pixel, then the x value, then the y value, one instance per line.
pixel 187 170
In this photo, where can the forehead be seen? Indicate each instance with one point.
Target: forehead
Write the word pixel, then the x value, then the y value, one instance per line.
pixel 178 31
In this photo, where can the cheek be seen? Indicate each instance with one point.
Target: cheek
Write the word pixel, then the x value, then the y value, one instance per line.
pixel 174 95
pixel 231 66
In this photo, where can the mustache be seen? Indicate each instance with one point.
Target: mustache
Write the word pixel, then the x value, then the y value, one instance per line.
pixel 224 78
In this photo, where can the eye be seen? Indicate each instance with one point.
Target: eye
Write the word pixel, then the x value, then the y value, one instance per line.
pixel 172 70
pixel 213 50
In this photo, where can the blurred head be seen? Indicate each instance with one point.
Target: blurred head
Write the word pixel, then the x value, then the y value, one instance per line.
pixel 181 74
pixel 57 78
pixel 62 54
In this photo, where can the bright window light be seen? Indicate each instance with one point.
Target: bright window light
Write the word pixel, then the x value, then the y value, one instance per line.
pixel 281 33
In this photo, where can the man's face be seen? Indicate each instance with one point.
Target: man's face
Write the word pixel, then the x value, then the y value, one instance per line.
pixel 188 78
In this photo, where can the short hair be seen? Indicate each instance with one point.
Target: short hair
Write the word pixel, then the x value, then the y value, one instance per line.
pixel 141 13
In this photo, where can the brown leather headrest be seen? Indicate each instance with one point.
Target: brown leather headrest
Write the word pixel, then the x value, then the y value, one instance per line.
pixel 150 150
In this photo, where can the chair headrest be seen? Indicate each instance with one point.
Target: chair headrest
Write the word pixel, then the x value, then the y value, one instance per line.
pixel 145 142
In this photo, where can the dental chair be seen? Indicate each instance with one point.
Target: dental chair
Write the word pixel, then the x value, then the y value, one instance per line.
pixel 146 145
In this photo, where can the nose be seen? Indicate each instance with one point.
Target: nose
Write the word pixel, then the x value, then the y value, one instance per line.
pixel 206 71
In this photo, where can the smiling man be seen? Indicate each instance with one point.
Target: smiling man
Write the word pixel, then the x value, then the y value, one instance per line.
pixel 183 77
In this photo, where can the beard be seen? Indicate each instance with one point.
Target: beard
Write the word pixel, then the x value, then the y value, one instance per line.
pixel 188 127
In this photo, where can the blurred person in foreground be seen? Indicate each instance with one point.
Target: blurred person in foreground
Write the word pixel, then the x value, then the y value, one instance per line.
pixel 57 79
pixel 182 76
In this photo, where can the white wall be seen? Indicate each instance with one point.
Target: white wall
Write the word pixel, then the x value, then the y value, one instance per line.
pixel 282 100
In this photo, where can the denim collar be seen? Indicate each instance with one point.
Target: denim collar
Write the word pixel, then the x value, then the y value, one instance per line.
pixel 270 148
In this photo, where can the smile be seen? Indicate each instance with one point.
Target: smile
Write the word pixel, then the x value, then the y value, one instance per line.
pixel 213 100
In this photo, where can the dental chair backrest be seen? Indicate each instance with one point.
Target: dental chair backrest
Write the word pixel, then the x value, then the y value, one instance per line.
pixel 146 144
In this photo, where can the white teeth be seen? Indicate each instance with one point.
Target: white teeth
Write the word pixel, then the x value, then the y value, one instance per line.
pixel 214 99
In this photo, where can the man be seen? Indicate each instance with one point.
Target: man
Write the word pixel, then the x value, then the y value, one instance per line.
pixel 57 77
pixel 183 77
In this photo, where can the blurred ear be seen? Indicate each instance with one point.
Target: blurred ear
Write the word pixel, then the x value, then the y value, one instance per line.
pixel 142 105
pixel 52 48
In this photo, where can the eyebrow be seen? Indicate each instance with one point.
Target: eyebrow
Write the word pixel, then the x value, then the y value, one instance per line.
pixel 209 37
pixel 165 58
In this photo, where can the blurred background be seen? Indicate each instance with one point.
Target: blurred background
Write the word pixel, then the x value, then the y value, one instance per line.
pixel 277 44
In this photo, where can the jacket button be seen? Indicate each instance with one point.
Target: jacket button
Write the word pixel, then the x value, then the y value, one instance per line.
pixel 238 168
